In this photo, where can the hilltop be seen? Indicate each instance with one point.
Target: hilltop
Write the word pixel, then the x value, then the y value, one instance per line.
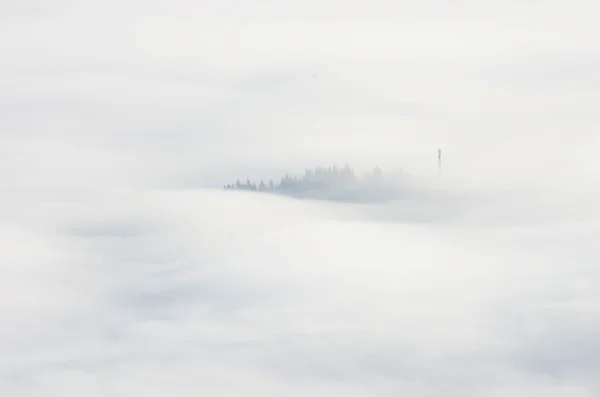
pixel 333 183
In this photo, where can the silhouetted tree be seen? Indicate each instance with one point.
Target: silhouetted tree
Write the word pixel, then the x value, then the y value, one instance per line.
pixel 331 181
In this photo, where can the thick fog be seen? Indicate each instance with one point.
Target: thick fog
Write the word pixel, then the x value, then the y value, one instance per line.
pixel 127 269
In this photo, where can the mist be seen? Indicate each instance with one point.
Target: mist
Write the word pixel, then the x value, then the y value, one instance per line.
pixel 126 268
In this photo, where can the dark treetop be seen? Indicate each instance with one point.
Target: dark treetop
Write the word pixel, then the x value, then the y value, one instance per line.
pixel 333 183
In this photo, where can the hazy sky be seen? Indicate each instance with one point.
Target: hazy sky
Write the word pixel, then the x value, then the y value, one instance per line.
pixel 117 281
pixel 168 90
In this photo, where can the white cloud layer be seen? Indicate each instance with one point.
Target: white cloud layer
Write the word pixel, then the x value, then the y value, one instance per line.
pixel 121 273
pixel 228 293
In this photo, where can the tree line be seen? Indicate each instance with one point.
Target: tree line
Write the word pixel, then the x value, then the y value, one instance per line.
pixel 321 178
